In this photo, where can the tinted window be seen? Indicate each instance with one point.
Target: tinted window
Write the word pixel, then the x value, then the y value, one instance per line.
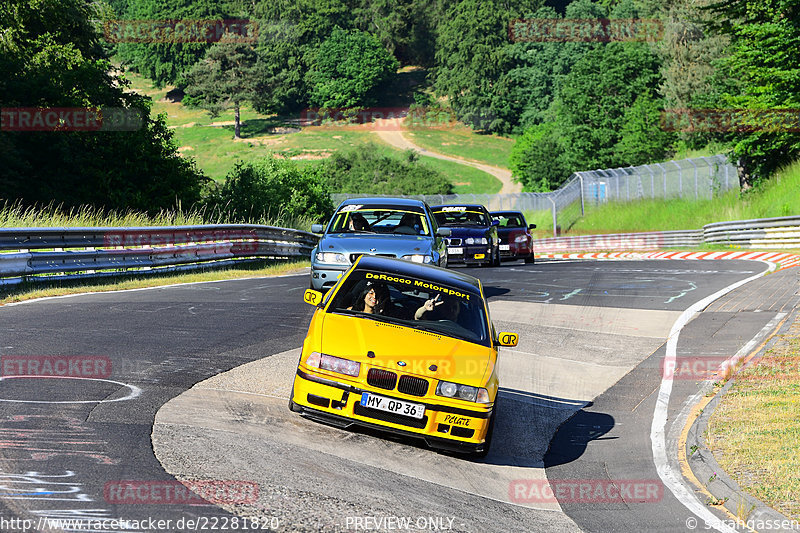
pixel 399 299
pixel 461 216
pixel 361 219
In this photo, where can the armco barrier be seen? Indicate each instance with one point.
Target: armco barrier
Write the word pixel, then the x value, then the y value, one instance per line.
pixel 780 232
pixel 30 254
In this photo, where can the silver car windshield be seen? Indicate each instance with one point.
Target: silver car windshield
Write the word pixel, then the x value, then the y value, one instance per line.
pixel 359 219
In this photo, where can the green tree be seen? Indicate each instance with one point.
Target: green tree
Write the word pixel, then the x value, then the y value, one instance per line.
pixel 537 158
pixel 51 56
pixel 472 56
pixel 594 98
pixel 765 60
pixel 225 78
pixel 347 69
pixel 270 188
pixel 166 62
pixel 365 170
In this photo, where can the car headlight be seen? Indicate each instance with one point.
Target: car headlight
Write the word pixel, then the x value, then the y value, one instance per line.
pixel 334 364
pixel 332 257
pixel 521 238
pixel 418 258
pixel 462 392
pixel 476 240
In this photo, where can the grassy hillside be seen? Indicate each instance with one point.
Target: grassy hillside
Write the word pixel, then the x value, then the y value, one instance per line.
pixel 210 141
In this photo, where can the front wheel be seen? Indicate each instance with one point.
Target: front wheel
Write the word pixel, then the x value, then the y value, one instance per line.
pixel 488 439
pixel 530 259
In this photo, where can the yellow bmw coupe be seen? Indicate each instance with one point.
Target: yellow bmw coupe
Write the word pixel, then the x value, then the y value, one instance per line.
pixel 403 347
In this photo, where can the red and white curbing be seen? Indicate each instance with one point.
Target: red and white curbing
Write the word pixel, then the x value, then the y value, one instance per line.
pixel 781 259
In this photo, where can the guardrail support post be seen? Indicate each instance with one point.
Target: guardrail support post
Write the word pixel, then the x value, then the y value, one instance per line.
pixel 555 217
pixel 695 178
pixel 580 176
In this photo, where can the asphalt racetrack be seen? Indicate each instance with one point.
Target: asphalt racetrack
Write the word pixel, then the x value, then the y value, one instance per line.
pixel 191 382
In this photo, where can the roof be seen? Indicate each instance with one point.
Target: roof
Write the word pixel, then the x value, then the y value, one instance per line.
pixel 420 271
pixel 384 201
pixel 478 207
pixel 506 212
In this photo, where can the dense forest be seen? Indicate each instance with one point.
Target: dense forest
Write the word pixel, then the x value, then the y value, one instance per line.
pixel 571 104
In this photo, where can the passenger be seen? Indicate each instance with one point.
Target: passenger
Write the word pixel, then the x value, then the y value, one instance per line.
pixel 437 309
pixel 409 224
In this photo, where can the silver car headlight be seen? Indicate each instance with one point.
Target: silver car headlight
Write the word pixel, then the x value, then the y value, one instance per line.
pixel 332 257
pixel 462 392
pixel 521 238
pixel 476 240
pixel 418 258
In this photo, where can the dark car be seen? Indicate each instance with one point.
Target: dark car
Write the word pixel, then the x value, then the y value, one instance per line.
pixel 516 241
pixel 473 234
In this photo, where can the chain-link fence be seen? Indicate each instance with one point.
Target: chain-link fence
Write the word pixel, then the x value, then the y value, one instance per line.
pixel 695 179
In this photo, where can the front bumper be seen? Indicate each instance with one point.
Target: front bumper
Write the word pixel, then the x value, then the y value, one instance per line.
pixel 443 427
pixel 478 255
pixel 323 277
pixel 515 250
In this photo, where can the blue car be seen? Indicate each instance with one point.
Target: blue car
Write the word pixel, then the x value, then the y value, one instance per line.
pixel 388 227
pixel 473 234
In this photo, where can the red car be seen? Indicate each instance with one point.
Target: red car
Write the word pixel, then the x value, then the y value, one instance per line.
pixel 516 241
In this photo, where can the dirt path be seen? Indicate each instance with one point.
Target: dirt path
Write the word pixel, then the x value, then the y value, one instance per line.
pixel 395 138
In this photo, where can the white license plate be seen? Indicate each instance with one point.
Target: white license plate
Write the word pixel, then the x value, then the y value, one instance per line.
pixel 452 250
pixel 505 247
pixel 392 405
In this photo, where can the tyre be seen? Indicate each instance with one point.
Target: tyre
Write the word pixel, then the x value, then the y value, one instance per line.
pixel 530 259
pixel 497 261
pixel 293 407
pixel 489 435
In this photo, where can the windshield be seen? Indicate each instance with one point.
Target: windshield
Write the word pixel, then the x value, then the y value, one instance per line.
pixel 460 216
pixel 361 219
pixel 509 221
pixel 413 302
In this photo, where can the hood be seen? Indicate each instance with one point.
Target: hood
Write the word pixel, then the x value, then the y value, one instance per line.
pixel 399 245
pixel 455 360
pixel 509 232
pixel 468 231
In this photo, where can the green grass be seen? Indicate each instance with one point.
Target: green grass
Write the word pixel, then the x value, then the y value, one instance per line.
pixel 778 197
pixel 463 142
pixel 755 431
pixel 16 216
pixel 210 141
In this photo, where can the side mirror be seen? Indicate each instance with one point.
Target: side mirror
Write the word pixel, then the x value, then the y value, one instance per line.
pixel 317 228
pixel 532 226
pixel 507 339
pixel 495 222
pixel 312 297
pixel 444 232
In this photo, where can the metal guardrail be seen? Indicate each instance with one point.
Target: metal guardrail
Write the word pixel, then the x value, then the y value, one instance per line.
pixel 31 254
pixel 780 232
